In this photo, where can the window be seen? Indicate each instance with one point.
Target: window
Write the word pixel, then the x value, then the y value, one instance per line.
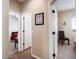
pixel 73 24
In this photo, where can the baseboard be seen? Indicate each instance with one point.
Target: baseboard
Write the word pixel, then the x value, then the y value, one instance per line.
pixel 36 57
pixel 27 48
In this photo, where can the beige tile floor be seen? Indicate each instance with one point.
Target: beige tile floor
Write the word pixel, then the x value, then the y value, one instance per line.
pixel 26 54
pixel 66 51
pixel 12 49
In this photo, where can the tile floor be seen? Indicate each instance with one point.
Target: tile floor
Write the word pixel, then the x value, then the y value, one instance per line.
pixel 66 51
pixel 26 54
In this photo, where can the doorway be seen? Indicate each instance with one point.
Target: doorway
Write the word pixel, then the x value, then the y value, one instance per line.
pixel 61 19
pixel 21 26
pixel 14 37
pixel 67 34
pixel 27 30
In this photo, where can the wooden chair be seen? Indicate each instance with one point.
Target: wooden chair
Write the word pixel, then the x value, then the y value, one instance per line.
pixel 14 38
pixel 62 37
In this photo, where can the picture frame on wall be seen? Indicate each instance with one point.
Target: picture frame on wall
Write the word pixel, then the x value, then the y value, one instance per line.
pixel 39 19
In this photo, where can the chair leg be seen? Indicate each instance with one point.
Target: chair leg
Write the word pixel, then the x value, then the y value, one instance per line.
pixel 68 42
pixel 62 42
pixel 15 44
pixel 59 41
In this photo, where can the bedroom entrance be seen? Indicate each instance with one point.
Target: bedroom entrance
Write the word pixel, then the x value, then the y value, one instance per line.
pixel 67 34
pixel 20 33
pixel 14 33
pixel 27 30
pixel 62 30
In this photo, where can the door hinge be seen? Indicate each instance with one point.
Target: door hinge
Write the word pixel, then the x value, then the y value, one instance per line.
pixel 23 31
pixel 53 33
pixel 54 55
pixel 23 44
pixel 23 18
pixel 53 11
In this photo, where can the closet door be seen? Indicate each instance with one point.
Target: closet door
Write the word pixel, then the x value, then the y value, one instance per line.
pixel 27 31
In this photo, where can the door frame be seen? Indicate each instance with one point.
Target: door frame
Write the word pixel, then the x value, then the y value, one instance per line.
pixel 19 36
pixel 53 7
pixel 22 28
pixel 17 14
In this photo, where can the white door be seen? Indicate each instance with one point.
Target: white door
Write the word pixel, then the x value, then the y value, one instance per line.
pixel 52 32
pixel 27 35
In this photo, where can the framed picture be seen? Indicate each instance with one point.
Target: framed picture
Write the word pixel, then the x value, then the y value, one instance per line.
pixel 39 19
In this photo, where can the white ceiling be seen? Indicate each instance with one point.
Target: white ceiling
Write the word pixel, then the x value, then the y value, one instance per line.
pixel 63 5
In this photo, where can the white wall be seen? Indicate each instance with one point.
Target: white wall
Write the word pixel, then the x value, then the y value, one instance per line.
pixel 13 24
pixel 67 17
pixel 5 29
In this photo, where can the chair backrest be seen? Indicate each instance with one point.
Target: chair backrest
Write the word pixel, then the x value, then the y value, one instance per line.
pixel 61 34
pixel 14 35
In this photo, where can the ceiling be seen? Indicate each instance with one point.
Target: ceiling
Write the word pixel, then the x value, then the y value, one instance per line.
pixel 63 5
pixel 21 1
